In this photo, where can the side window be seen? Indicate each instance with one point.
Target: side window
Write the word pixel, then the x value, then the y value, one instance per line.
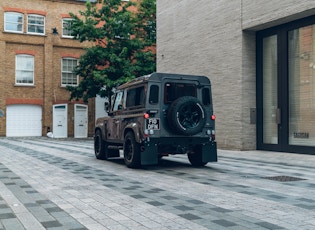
pixel 35 24
pixel 154 94
pixel 13 22
pixel 118 104
pixel 206 99
pixel 135 97
pixel 24 69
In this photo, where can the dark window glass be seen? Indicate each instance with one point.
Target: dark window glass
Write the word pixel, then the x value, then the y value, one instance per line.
pixel 135 97
pixel 154 94
pixel 206 100
pixel 176 90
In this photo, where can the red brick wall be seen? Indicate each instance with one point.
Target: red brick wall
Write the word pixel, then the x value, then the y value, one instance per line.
pixel 47 51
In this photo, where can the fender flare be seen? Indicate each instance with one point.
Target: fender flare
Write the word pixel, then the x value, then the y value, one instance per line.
pixel 135 128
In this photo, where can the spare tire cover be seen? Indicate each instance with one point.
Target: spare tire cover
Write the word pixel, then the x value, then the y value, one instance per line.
pixel 186 116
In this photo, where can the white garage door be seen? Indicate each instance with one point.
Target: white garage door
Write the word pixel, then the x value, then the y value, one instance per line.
pixel 24 120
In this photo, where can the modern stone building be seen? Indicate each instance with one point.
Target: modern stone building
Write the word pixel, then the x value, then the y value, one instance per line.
pixel 260 58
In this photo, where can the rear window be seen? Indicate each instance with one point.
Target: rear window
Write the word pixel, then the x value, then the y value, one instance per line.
pixel 176 90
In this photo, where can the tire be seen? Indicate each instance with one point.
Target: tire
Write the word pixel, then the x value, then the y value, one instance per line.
pixel 186 116
pixel 131 151
pixel 100 147
pixel 195 157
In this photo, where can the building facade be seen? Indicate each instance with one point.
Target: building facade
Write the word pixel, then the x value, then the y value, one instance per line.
pixel 259 56
pixel 37 57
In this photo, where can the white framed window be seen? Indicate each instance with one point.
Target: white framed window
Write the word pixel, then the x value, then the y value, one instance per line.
pixel 13 22
pixel 68 77
pixel 66 27
pixel 24 69
pixel 35 24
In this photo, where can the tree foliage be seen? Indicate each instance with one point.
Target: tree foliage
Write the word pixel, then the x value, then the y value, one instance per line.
pixel 124 38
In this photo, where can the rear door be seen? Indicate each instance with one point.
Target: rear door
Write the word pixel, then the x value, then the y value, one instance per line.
pixel 173 89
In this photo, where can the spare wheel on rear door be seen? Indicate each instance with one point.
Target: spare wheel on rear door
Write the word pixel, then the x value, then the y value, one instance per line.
pixel 186 116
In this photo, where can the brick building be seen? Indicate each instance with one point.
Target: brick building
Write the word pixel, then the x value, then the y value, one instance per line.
pixel 260 58
pixel 37 58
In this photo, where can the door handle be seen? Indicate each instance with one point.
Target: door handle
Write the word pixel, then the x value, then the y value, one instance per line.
pixel 278 116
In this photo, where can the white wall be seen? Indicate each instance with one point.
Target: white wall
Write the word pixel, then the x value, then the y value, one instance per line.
pixel 99 107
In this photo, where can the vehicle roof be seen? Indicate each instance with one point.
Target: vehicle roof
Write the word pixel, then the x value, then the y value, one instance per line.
pixel 157 77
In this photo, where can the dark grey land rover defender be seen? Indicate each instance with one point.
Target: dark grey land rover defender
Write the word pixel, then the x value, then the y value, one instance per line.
pixel 157 115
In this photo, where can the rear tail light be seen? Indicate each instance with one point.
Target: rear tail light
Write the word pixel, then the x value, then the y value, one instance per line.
pixel 146 115
pixel 213 117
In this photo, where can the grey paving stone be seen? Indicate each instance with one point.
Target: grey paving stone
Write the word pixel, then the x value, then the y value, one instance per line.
pixel 269 225
pixel 228 194
pixel 189 216
pixel 51 224
pixel 155 203
pixel 12 224
pixel 224 223
pixel 7 216
pixel 223 210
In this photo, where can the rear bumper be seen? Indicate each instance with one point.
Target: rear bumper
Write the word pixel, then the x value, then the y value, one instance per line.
pixel 153 147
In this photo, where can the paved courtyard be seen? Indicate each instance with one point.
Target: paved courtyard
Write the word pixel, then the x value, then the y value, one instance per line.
pixel 58 184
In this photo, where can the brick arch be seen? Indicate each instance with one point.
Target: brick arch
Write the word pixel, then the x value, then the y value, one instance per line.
pixel 65 15
pixel 20 10
pixel 28 52
pixel 27 101
pixel 11 9
pixel 68 55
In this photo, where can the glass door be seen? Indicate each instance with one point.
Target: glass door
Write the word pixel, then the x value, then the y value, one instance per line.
pixel 286 87
pixel 270 90
pixel 302 86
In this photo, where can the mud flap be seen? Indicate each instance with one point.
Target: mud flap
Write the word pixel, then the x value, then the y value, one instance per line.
pixel 209 152
pixel 150 155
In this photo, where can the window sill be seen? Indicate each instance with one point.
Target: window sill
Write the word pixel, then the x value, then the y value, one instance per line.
pixel 67 37
pixel 24 85
pixel 65 86
pixel 24 33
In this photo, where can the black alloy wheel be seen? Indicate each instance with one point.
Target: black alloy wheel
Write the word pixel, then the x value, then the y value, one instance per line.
pixel 131 151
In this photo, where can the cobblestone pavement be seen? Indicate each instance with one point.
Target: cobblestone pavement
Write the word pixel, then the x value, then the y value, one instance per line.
pixel 58 184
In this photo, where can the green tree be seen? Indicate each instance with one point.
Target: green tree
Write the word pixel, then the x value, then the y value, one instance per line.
pixel 124 38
